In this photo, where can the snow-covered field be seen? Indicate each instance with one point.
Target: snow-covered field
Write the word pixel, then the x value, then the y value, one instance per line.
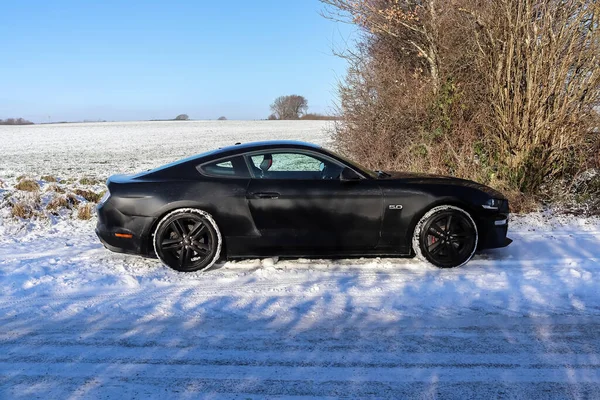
pixel 101 149
pixel 77 321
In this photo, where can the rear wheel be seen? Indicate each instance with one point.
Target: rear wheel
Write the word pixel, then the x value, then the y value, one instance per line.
pixel 188 240
pixel 446 237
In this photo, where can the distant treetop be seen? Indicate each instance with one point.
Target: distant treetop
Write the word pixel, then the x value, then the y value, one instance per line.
pixel 15 121
pixel 289 107
pixel 182 117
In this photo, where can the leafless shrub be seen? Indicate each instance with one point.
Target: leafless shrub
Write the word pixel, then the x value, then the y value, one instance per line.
pixel 501 92
pixel 319 117
pixel 540 62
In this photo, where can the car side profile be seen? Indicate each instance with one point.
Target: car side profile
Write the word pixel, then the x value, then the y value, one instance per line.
pixel 295 199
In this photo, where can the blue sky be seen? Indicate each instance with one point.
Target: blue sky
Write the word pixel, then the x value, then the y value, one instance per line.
pixel 130 60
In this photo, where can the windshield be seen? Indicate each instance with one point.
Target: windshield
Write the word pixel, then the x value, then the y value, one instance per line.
pixel 354 165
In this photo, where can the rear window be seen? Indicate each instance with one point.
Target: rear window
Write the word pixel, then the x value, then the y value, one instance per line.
pixel 234 167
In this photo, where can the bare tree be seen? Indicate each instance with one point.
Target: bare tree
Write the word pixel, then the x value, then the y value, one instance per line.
pixel 289 107
pixel 415 23
pixel 222 119
pixel 182 117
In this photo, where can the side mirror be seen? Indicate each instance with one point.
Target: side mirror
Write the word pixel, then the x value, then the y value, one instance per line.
pixel 349 175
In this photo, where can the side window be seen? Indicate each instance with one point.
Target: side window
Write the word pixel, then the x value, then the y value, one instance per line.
pixel 234 167
pixel 289 165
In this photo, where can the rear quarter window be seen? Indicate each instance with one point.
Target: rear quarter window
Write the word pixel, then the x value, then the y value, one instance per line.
pixel 234 167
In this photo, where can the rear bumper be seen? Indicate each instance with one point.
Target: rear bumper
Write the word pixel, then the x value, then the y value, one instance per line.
pixel 112 222
pixel 118 244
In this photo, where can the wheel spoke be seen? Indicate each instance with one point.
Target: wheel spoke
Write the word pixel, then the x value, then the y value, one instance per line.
pixel 179 228
pixel 448 223
pixel 171 244
pixel 435 248
pixel 463 235
pixel 452 249
pixel 434 232
pixel 197 230
pixel 184 257
pixel 200 249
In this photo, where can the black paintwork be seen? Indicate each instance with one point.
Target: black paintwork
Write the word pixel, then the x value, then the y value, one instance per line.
pixel 292 217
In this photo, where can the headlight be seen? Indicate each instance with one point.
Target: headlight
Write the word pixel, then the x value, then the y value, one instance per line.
pixel 492 204
pixel 105 197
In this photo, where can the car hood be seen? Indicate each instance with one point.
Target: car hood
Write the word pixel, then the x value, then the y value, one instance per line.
pixel 422 178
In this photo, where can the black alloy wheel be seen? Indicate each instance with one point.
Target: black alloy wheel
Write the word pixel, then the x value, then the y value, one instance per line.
pixel 448 238
pixel 187 241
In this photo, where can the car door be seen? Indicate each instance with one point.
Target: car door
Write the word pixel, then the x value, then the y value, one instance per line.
pixel 297 200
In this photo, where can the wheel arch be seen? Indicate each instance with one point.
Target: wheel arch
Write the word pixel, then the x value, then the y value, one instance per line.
pixel 447 201
pixel 172 207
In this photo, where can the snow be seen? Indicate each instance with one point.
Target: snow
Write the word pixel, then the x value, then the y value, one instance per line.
pixel 77 321
pixel 100 149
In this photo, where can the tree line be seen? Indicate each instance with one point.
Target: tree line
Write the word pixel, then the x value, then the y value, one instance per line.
pixel 15 121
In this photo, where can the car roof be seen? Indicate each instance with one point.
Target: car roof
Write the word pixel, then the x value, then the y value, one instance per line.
pixel 266 144
pixel 236 149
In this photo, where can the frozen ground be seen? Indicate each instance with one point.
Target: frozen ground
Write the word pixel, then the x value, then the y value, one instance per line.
pixel 100 149
pixel 77 321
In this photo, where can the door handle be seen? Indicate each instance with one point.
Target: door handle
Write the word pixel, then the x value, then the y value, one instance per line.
pixel 265 195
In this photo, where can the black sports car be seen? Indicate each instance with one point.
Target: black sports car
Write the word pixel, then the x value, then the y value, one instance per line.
pixel 294 199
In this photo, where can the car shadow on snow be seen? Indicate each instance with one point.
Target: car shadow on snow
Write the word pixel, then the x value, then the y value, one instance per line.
pixel 520 321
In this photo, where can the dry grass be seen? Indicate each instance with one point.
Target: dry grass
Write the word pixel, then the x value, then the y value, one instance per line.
pixel 54 188
pixel 49 178
pixel 28 185
pixel 85 211
pixel 88 195
pixel 57 203
pixel 89 181
pixel 27 207
pixel 21 210
pixel 72 199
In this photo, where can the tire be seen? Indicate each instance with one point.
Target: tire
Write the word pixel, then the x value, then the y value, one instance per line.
pixel 446 236
pixel 188 240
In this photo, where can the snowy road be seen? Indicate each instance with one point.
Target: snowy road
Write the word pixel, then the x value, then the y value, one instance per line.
pixel 77 322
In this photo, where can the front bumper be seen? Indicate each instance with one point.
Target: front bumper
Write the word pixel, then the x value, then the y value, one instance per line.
pixel 493 231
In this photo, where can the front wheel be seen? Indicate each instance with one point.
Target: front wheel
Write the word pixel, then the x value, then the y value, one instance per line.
pixel 446 236
pixel 188 240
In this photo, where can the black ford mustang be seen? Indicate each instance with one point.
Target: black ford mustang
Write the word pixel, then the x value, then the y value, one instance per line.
pixel 295 199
